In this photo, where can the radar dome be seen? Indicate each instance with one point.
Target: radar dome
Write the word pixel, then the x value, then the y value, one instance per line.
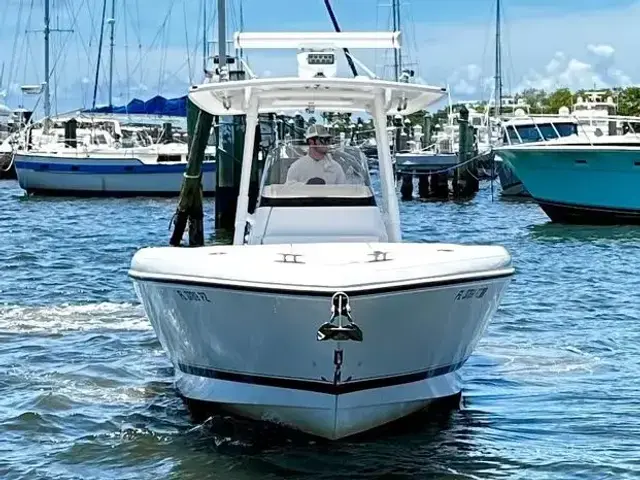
pixel 563 111
pixel 520 112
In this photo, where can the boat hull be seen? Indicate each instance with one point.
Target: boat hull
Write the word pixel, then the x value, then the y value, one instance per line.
pixel 7 167
pixel 582 184
pixel 255 353
pixel 86 176
pixel 511 185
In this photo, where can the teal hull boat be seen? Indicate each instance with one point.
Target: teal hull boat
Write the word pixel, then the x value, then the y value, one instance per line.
pixel 581 183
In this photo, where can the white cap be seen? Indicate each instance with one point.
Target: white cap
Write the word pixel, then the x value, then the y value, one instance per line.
pixel 316 130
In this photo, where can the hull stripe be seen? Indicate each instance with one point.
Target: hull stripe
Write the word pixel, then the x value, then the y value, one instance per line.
pixel 319 387
pixel 105 169
pixel 62 192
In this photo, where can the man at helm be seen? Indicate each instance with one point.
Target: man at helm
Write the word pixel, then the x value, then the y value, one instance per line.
pixel 317 166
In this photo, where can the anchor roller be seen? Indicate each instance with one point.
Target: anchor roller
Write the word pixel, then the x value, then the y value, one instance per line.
pixel 340 311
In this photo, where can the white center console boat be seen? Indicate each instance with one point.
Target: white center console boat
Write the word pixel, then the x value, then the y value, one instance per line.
pixel 319 316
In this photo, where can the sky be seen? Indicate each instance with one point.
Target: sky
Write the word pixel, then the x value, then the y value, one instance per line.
pixel 158 44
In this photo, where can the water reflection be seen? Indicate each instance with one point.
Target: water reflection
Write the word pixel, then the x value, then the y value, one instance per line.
pixel 431 444
pixel 557 232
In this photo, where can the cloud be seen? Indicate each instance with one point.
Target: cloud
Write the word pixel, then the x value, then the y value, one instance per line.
pixel 575 73
pixel 555 64
pixel 466 81
pixel 601 50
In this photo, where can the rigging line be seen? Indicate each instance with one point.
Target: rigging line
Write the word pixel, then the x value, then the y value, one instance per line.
pixel 336 27
pixel 92 22
pixel 242 27
pixel 412 22
pixel 113 65
pixel 25 46
pixel 489 34
pixel 155 39
pixel 126 54
pixel 375 51
pixel 163 60
pixel 78 57
pixel 196 43
pixel 4 16
pixel 60 52
pixel 505 22
pixel 186 40
pixel 138 30
pixel 89 59
pixel 82 42
pixel 165 46
pixel 15 44
pixel 95 84
pixel 388 26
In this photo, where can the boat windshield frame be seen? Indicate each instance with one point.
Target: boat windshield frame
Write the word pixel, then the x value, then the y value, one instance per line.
pixel 276 191
pixel 538 132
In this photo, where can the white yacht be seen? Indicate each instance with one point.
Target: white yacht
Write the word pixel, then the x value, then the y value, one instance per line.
pixel 594 111
pixel 319 316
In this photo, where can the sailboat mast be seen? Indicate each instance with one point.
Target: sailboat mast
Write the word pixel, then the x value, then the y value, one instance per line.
pixel 95 84
pixel 47 98
pixel 112 22
pixel 498 87
pixel 204 37
pixel 222 35
pixel 396 25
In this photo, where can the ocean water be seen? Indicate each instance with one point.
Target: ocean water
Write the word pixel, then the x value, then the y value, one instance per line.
pixel 86 390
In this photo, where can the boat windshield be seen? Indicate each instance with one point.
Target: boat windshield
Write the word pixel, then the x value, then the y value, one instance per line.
pixel 330 176
pixel 532 133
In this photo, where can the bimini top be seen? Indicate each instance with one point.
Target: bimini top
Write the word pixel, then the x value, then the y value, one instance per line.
pixel 330 94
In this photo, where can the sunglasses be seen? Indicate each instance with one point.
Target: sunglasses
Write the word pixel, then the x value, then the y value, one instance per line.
pixel 323 140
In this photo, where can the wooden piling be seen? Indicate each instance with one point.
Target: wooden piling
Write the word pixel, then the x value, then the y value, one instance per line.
pixel 190 208
pixel 228 166
pixel 464 183
pixel 406 187
pixel 423 186
pixel 439 185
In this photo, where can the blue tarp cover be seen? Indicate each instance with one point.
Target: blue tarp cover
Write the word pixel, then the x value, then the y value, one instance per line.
pixel 158 105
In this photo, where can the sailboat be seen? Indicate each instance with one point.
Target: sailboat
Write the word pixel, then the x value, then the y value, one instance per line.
pixel 97 155
pixel 319 316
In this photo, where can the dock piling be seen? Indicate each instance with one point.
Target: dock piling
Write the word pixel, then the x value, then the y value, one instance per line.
pixel 190 208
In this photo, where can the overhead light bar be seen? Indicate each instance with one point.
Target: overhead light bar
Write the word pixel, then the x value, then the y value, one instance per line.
pixel 313 40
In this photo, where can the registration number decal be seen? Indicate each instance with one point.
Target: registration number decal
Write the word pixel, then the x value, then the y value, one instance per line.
pixel 192 296
pixel 470 293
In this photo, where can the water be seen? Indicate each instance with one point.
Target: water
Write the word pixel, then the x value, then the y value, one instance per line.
pixel 86 390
